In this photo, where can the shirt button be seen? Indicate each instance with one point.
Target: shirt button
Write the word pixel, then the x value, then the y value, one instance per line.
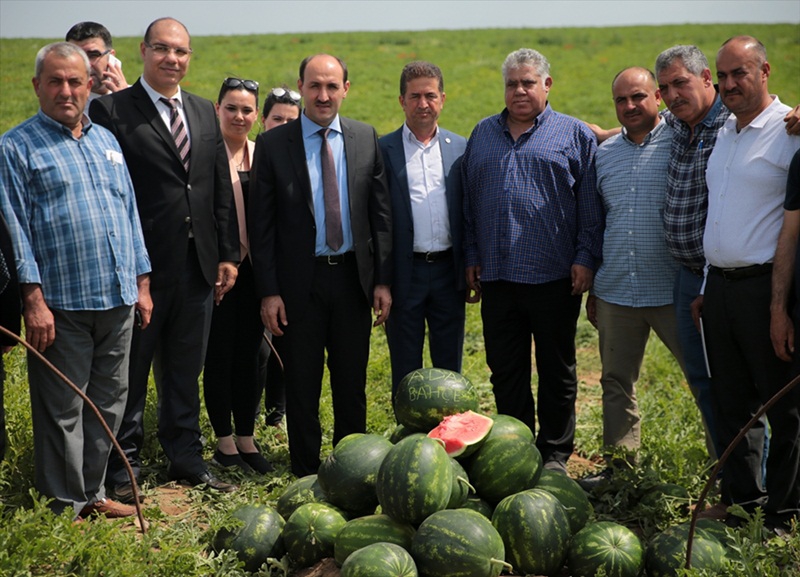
pixel 187 219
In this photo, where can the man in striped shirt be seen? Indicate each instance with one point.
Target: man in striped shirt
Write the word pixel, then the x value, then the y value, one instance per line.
pixel 532 240
pixel 83 267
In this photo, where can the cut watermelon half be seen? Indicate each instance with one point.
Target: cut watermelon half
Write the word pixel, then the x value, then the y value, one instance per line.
pixel 462 433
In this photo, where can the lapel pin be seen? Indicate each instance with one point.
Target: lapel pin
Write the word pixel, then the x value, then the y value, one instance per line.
pixel 447 140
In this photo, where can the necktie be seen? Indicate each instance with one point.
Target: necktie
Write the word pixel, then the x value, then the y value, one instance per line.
pixel 330 193
pixel 178 130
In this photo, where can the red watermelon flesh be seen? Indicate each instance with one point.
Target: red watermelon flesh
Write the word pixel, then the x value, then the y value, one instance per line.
pixel 462 433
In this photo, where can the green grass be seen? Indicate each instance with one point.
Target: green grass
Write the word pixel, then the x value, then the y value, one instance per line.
pixel 583 61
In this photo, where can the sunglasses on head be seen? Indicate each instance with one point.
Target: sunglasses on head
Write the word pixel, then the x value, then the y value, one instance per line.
pixel 234 83
pixel 280 91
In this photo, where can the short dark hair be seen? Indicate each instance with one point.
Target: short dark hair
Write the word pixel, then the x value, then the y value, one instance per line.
pixel 420 69
pixel 149 30
pixel 308 59
pixel 285 98
pixel 86 30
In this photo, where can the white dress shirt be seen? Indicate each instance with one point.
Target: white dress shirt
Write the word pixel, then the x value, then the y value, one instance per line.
pixel 426 186
pixel 164 111
pixel 746 176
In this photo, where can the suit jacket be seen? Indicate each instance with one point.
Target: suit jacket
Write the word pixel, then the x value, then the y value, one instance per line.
pixel 169 199
pixel 452 146
pixel 10 303
pixel 281 214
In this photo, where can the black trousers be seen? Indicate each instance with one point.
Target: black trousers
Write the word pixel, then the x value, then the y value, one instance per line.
pixel 512 313
pixel 336 320
pixel 745 373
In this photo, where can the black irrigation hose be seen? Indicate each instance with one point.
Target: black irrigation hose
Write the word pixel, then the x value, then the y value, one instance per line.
pixel 712 477
pixel 89 402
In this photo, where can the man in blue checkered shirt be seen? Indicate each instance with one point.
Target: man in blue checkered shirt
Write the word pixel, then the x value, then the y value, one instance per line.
pixel 83 267
pixel 533 236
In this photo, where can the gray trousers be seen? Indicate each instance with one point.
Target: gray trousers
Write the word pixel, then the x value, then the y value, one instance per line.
pixel 71 448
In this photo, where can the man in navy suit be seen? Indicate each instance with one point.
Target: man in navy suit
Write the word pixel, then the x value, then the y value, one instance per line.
pixel 185 201
pixel 423 165
pixel 317 289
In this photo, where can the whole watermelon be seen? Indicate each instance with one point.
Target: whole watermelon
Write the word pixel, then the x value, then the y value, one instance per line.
pixel 610 546
pixel 461 487
pixel 415 479
pixel 504 465
pixel 535 530
pixel 458 543
pixel 299 492
pixel 380 560
pixel 477 504
pixel 347 475
pixel 570 495
pixel 310 533
pixel 426 396
pixel 256 536
pixel 508 425
pixel 364 531
pixel 666 553
pixel 399 433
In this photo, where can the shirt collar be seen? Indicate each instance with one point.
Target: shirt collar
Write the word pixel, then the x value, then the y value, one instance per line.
pixel 713 113
pixel 650 135
pixel 155 96
pixel 86 124
pixel 311 128
pixel 542 117
pixel 411 137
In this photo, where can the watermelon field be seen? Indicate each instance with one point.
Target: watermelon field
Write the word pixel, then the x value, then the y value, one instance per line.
pixel 396 502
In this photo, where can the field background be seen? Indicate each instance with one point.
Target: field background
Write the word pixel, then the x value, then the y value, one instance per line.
pixel 583 62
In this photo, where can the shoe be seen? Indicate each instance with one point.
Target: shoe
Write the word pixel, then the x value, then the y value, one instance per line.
pixel 123 492
pixel 108 508
pixel 716 512
pixel 556 466
pixel 257 462
pixel 595 481
pixel 220 459
pixel 208 479
pixel 274 419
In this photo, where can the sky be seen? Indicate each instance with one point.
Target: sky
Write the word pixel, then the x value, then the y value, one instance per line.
pixel 52 18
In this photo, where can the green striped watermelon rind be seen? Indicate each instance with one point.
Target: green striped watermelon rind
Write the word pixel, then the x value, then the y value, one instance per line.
pixel 415 479
pixel 458 543
pixel 477 504
pixel 504 465
pixel 380 560
pixel 299 492
pixel 574 499
pixel 605 544
pixel 461 486
pixel 256 536
pixel 310 533
pixel 363 531
pixel 535 530
pixel 426 396
pixel 347 476
pixel 666 552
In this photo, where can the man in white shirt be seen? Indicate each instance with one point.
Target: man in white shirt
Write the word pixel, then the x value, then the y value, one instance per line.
pixel 423 165
pixel 746 178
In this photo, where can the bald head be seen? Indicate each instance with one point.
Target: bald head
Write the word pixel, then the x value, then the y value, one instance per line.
pixel 742 73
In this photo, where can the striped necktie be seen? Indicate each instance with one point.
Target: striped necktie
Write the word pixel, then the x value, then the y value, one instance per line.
pixel 334 236
pixel 178 130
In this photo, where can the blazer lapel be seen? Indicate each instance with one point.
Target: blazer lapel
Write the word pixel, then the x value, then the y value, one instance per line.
pixel 193 120
pixel 297 155
pixel 150 112
pixel 350 154
pixel 397 157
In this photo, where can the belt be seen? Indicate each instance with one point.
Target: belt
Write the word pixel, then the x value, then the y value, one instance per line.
pixel 333 259
pixel 696 271
pixel 741 272
pixel 433 256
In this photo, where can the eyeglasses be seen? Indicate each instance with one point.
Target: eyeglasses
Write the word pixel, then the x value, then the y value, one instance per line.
pixel 280 91
pixel 164 50
pixel 93 55
pixel 234 83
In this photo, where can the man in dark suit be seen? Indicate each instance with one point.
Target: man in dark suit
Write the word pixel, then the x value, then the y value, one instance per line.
pixel 319 269
pixel 9 315
pixel 184 195
pixel 424 172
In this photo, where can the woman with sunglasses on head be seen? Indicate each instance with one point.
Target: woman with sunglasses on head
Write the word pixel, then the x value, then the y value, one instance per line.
pixel 230 378
pixel 281 106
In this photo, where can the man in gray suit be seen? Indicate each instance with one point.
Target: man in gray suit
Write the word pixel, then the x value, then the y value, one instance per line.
pixel 423 164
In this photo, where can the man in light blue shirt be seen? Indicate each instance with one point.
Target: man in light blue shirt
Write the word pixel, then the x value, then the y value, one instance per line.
pixel 632 290
pixel 82 265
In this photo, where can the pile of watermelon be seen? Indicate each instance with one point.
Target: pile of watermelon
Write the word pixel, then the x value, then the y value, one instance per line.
pixel 453 493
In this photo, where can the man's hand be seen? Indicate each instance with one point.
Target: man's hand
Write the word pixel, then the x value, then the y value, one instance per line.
pixel 40 326
pixel 792 120
pixel 591 309
pixel 473 284
pixel 114 79
pixel 144 303
pixel 781 331
pixel 226 278
pixel 582 278
pixel 602 134
pixel 381 303
pixel 697 311
pixel 273 314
